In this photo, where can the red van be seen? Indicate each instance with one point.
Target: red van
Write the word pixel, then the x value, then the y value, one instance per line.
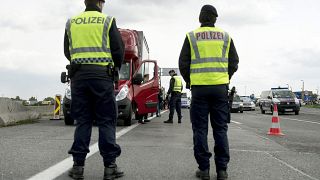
pixel 138 90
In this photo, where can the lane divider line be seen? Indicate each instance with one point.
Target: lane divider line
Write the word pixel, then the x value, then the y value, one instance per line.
pixel 64 165
pixel 154 116
pixel 293 168
pixel 300 120
pixel 236 122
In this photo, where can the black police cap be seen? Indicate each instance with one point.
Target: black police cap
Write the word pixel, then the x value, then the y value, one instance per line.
pixel 209 9
pixel 172 71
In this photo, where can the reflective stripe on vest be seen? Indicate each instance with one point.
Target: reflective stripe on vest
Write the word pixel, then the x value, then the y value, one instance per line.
pixel 89 41
pixel 177 84
pixel 209 56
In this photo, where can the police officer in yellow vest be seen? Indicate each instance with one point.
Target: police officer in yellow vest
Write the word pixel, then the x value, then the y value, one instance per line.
pixel 175 99
pixel 94 47
pixel 207 62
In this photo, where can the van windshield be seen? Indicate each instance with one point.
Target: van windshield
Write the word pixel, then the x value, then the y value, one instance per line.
pixel 245 99
pixel 282 94
pixel 124 73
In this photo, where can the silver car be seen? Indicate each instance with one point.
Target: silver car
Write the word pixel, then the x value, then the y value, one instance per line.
pixel 248 104
pixel 237 104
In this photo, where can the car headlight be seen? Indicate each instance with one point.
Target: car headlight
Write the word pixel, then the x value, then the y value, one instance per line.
pixel 68 92
pixel 123 93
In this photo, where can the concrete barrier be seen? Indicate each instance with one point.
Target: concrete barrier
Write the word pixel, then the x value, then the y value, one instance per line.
pixel 43 110
pixel 12 112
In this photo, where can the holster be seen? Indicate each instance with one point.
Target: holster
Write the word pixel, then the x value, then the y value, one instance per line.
pixel 113 72
pixel 72 69
pixel 230 101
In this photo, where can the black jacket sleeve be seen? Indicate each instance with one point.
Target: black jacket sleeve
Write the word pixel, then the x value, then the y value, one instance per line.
pixel 233 60
pixel 66 46
pixel 185 61
pixel 116 45
pixel 172 81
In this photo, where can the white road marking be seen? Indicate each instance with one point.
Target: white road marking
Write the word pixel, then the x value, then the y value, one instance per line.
pixel 61 167
pixel 154 116
pixel 293 168
pixel 236 122
pixel 64 165
pixel 299 120
pixel 281 161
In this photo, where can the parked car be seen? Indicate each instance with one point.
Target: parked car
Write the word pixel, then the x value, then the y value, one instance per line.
pixel 284 98
pixel 248 104
pixel 185 101
pixel 237 104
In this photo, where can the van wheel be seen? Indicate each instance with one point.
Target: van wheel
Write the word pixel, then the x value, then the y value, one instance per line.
pixel 296 112
pixel 128 119
pixel 262 111
pixel 68 120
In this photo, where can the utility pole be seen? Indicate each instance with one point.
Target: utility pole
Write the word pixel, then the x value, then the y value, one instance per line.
pixel 245 90
pixel 302 92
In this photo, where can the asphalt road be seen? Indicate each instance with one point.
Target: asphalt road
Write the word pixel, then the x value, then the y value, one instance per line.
pixel 164 151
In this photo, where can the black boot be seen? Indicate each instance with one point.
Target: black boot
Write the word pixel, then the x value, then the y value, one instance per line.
pixel 112 172
pixel 222 175
pixel 76 172
pixel 168 121
pixel 141 121
pixel 203 175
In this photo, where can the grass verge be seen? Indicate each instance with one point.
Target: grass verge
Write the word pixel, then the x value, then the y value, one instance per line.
pixel 313 106
pixel 29 121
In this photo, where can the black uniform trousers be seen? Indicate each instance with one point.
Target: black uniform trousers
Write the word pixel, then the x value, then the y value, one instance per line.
pixel 211 100
pixel 94 99
pixel 175 103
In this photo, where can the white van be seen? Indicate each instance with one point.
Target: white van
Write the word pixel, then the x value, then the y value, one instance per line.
pixel 185 101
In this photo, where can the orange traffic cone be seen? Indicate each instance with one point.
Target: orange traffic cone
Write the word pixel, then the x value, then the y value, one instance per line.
pixel 275 128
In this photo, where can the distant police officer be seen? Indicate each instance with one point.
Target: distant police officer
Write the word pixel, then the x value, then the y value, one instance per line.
pixel 175 99
pixel 94 47
pixel 207 61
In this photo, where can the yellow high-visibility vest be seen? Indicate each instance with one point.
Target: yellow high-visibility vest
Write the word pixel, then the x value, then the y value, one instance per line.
pixel 209 56
pixel 89 41
pixel 177 84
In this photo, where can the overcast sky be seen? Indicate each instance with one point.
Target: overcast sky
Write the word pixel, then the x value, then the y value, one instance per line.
pixel 277 40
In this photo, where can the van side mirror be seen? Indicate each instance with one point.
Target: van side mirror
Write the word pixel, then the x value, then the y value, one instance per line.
pixel 269 97
pixel 137 79
pixel 64 77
